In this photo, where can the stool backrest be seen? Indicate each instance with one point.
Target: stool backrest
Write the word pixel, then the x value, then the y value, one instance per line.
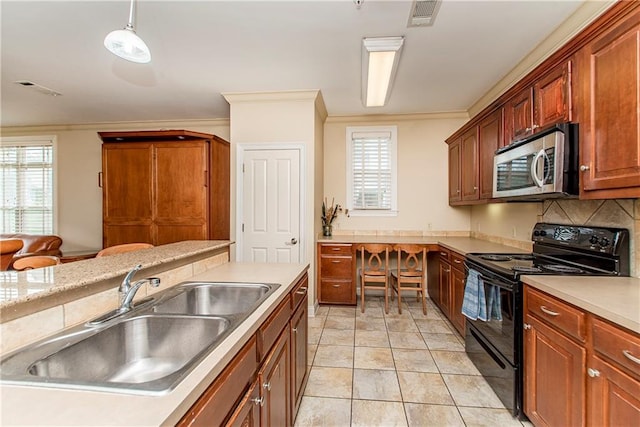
pixel 36 261
pixel 119 249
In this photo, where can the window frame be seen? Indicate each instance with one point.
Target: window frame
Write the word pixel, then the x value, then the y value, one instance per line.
pixel 39 140
pixel 393 131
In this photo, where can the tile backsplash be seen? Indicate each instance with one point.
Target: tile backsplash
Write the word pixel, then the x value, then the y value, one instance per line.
pixel 619 213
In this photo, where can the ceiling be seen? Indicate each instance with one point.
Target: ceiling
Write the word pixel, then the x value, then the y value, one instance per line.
pixel 204 48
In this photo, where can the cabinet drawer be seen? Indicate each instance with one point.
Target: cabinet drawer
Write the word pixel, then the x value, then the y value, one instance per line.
pixel 445 255
pixel 337 292
pixel 556 313
pixel 620 346
pixel 299 292
pixel 272 327
pixel 457 261
pixel 335 249
pixel 338 267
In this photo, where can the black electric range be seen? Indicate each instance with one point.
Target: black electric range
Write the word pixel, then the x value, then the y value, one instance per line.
pixel 495 345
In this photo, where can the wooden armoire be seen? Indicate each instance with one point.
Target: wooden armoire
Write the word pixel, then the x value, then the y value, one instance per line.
pixel 164 186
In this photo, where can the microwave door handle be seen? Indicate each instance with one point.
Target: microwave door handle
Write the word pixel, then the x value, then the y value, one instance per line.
pixel 534 169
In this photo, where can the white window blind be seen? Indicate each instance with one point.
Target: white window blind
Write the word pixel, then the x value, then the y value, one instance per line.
pixel 26 187
pixel 372 174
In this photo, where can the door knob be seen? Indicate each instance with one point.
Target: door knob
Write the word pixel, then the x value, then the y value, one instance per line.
pixel 294 241
pixel 584 168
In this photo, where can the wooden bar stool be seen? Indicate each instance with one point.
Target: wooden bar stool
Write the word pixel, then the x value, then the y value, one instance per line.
pixel 36 261
pixel 119 249
pixel 374 271
pixel 410 275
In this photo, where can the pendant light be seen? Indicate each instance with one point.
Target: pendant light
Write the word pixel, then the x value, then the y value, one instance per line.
pixel 126 44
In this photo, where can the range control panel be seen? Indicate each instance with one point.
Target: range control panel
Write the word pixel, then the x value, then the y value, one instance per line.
pixel 599 239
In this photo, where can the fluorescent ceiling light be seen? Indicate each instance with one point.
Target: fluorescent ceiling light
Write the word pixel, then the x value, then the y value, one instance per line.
pixel 127 44
pixel 380 58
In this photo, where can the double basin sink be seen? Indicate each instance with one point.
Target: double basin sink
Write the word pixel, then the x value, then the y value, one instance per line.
pixel 147 350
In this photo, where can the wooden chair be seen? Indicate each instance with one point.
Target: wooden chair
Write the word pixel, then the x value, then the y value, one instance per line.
pixel 411 272
pixel 36 261
pixel 119 249
pixel 374 271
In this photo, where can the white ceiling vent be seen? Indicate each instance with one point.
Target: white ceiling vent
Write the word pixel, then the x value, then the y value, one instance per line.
pixel 38 88
pixel 423 12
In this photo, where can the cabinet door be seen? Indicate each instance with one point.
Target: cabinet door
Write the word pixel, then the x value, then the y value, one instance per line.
pixel 299 333
pixel 247 414
pixel 518 115
pixel 445 285
pixel 489 140
pixel 469 164
pixel 552 97
pixel 614 397
pixel 554 372
pixel 127 202
pixel 275 381
pixel 455 191
pixel 609 104
pixel 181 191
pixel 457 291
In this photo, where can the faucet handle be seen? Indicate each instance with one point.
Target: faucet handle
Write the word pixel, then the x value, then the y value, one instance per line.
pixel 154 281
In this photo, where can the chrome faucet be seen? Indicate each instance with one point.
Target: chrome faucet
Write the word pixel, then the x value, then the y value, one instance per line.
pixel 127 290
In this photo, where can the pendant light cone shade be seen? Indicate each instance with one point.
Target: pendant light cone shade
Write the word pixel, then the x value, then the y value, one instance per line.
pixel 126 44
pixel 380 58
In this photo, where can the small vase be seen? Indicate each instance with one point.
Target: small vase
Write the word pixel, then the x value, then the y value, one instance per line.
pixel 326 230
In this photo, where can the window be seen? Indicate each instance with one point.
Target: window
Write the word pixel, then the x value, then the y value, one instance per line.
pixel 26 185
pixel 371 171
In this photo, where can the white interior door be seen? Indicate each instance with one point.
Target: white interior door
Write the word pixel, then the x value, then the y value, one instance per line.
pixel 271 206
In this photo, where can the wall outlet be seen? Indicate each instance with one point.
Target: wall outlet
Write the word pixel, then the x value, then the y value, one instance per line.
pixel 514 232
pixel 429 226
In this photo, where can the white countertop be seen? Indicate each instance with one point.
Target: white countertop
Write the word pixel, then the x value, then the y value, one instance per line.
pixel 616 299
pixel 50 406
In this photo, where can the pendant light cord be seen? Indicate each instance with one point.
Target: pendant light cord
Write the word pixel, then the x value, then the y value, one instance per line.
pixel 130 24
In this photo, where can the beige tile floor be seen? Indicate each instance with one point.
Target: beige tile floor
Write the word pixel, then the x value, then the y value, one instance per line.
pixel 376 369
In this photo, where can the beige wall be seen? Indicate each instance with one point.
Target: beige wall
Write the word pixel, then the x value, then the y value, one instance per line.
pixel 422 173
pixel 79 159
pixel 293 117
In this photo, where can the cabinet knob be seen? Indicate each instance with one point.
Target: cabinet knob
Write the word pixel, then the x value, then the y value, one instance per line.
pixel 584 168
pixel 295 330
pixel 593 372
pixel 475 188
pixel 458 190
pixel 267 386
pixel 258 401
pixel 526 326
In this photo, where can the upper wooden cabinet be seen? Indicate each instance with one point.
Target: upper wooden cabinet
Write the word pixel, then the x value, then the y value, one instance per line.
pixel 608 103
pixel 546 102
pixel 592 80
pixel 163 187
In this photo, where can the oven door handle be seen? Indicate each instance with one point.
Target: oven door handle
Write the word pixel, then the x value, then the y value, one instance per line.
pixel 534 167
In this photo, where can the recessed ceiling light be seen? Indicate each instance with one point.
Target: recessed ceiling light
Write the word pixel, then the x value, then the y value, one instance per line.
pixel 38 88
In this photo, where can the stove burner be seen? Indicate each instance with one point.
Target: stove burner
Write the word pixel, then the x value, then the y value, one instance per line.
pixel 523 257
pixel 496 257
pixel 525 269
pixel 558 268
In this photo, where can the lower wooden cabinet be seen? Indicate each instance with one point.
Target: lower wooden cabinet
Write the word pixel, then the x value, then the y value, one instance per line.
pixel 445 284
pixel 336 266
pixel 578 369
pixel 264 383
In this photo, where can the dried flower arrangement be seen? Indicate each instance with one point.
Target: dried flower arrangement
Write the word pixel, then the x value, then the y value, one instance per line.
pixel 329 214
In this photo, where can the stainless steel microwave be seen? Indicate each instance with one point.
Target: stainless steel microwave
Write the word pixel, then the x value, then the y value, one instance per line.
pixel 543 165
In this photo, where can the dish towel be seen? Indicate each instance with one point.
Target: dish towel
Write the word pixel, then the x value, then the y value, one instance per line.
pixel 493 303
pixel 474 304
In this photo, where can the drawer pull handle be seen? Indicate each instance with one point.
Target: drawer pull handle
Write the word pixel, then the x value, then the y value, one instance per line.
pixel 302 291
pixel 336 261
pixel 258 401
pixel 549 312
pixel 335 249
pixel 593 372
pixel 336 286
pixel 457 261
pixel 443 253
pixel 630 356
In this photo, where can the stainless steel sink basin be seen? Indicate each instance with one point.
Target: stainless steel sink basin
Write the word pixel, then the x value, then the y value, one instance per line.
pixel 206 299
pixel 149 353
pixel 147 350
